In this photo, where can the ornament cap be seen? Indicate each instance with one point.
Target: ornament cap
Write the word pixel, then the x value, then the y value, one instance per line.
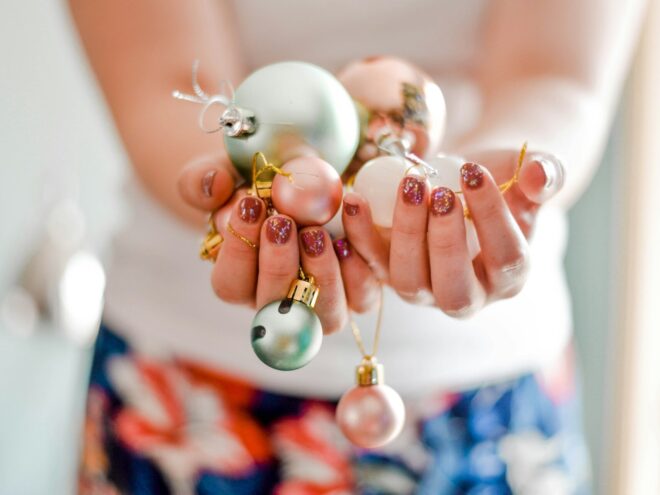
pixel 369 372
pixel 304 291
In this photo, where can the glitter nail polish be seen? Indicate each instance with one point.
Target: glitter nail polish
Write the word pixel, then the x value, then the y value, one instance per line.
pixel 442 200
pixel 350 209
pixel 342 248
pixel 278 230
pixel 413 190
pixel 249 209
pixel 313 242
pixel 473 175
pixel 207 182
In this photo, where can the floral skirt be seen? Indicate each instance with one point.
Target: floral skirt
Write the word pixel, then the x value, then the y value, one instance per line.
pixel 179 427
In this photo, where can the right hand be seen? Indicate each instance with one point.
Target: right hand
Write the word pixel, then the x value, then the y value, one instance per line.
pixel 256 276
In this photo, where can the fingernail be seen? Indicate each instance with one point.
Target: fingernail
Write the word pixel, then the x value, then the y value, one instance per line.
pixel 278 230
pixel 472 175
pixel 313 242
pixel 413 190
pixel 350 209
pixel 554 176
pixel 207 183
pixel 442 201
pixel 342 248
pixel 249 209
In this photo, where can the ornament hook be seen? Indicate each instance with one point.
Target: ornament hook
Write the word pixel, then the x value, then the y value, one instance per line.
pixel 234 120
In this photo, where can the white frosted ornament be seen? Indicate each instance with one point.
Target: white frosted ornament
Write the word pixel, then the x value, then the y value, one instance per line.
pixel 448 174
pixel 378 182
pixel 335 226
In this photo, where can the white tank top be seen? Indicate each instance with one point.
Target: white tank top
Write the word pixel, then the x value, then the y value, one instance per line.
pixel 159 295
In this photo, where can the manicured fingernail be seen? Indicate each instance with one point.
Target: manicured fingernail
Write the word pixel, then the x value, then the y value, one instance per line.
pixel 249 209
pixel 313 242
pixel 350 209
pixel 442 200
pixel 554 176
pixel 413 190
pixel 278 230
pixel 342 248
pixel 472 175
pixel 207 183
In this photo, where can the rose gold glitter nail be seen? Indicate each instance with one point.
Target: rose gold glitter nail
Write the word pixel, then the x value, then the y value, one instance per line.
pixel 351 210
pixel 413 190
pixel 473 175
pixel 278 230
pixel 207 182
pixel 342 248
pixel 313 242
pixel 249 209
pixel 442 201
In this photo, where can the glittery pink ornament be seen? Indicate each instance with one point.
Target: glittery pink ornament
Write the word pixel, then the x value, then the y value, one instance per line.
pixel 398 95
pixel 311 195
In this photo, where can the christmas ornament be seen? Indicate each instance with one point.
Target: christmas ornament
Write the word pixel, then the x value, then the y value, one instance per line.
pixel 310 193
pixel 371 414
pixel 281 109
pixel 397 96
pixel 378 181
pixel 287 334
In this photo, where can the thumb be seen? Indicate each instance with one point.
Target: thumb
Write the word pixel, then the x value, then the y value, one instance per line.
pixel 541 177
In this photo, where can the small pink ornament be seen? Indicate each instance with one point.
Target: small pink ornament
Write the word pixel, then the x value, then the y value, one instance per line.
pixel 312 196
pixel 370 414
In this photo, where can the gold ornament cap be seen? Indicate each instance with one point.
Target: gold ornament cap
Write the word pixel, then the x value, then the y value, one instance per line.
pixel 304 291
pixel 369 372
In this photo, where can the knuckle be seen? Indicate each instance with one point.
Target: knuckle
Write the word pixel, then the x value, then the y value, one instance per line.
pixel 277 270
pixel 458 306
pixel 442 245
pixel 407 230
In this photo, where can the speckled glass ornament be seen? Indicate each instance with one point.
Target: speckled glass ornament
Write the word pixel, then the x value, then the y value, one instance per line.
pixel 287 334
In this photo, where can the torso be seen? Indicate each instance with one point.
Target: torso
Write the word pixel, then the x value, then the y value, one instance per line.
pixel 158 292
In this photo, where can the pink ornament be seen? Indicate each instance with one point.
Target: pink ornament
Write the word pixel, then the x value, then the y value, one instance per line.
pixel 312 196
pixel 371 416
pixel 398 95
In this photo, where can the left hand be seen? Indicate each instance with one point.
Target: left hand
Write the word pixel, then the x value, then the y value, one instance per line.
pixel 427 260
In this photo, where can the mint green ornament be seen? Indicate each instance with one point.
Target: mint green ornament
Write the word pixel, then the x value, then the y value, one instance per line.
pixel 287 334
pixel 292 108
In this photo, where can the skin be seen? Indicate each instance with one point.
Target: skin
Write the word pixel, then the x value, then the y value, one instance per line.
pixel 550 72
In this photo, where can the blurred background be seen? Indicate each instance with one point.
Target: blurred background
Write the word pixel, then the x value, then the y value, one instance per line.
pixel 56 180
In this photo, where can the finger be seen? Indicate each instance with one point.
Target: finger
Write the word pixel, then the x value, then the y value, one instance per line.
pixel 319 259
pixel 234 275
pixel 363 236
pixel 206 183
pixel 278 259
pixel 541 177
pixel 503 246
pixel 409 262
pixel 456 288
pixel 360 283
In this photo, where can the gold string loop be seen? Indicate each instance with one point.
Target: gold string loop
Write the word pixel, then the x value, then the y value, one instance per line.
pixel 358 336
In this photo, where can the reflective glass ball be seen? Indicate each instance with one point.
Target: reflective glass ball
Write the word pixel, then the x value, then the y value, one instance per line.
pixel 286 335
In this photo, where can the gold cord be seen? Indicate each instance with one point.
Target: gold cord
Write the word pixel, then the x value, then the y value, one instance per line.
pixel 267 167
pixel 505 186
pixel 212 242
pixel 358 337
pixel 241 237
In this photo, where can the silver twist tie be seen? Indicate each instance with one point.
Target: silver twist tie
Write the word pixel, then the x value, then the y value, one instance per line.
pixel 233 122
pixel 391 144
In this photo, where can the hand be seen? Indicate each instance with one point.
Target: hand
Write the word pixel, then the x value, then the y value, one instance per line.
pixel 258 275
pixel 425 255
